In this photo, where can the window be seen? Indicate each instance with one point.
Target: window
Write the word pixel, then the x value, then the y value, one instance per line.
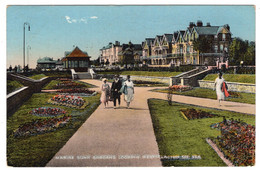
pixel 216 48
pixel 188 49
pixel 223 37
pixel 221 47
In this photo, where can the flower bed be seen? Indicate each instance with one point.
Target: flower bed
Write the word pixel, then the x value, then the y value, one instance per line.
pixel 47 111
pixel 69 101
pixel 234 94
pixel 237 141
pixel 76 90
pixel 41 126
pixel 191 114
pixel 180 88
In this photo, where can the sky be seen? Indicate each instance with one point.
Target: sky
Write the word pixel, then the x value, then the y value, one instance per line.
pixel 56 29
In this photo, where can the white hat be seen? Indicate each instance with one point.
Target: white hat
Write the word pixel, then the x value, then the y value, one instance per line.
pixel 104 79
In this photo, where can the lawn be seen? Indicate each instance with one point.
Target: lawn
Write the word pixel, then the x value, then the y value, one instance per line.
pixel 144 73
pixel 53 83
pixel 211 94
pixel 240 78
pixel 37 76
pixel 13 85
pixel 178 136
pixel 38 150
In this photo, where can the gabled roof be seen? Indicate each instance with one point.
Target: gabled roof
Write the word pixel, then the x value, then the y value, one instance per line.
pixel 174 37
pixel 46 60
pixel 212 30
pixel 168 37
pixel 149 41
pixel 77 53
pixel 158 38
pixel 180 35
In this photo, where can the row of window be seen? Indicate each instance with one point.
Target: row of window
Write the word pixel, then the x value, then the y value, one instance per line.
pixel 76 64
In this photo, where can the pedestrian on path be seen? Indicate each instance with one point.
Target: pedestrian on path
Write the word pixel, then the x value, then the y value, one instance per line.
pixel 129 91
pixel 105 92
pixel 115 88
pixel 221 88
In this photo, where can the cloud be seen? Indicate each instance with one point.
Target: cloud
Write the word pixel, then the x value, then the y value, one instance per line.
pixel 68 19
pixel 94 17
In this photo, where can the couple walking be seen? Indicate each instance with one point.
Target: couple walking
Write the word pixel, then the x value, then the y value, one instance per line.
pixel 117 88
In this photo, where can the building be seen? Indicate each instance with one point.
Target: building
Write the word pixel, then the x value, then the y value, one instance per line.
pixel 46 63
pixel 109 53
pixel 77 60
pixel 179 48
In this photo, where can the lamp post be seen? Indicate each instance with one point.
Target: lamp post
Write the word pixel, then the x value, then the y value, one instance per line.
pixel 28 48
pixel 26 23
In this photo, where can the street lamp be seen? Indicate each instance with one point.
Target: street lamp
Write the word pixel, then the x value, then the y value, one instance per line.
pixel 26 23
pixel 28 48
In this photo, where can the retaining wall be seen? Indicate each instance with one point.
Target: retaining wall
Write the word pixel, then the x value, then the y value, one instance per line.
pixel 232 86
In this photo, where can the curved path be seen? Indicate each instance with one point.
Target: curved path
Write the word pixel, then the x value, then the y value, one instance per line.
pixel 124 137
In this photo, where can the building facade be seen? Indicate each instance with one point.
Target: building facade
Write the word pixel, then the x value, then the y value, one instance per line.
pixel 77 60
pixel 109 53
pixel 46 63
pixel 179 48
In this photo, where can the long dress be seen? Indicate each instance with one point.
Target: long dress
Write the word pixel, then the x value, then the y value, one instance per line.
pixel 220 93
pixel 130 91
pixel 105 89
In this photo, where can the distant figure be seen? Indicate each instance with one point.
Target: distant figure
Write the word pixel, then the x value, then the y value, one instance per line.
pixel 115 88
pixel 129 91
pixel 221 88
pixel 105 91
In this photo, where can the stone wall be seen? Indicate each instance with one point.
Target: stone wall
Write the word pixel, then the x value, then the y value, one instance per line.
pixel 17 98
pixel 232 86
pixel 193 79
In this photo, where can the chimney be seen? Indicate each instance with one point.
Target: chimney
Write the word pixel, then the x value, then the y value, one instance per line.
pixel 191 24
pixel 117 43
pixel 227 26
pixel 208 24
pixel 199 23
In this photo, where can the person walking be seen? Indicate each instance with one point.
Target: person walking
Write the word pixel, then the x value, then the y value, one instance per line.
pixel 129 91
pixel 221 88
pixel 105 92
pixel 115 88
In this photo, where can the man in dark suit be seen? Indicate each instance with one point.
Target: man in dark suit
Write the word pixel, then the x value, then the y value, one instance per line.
pixel 116 86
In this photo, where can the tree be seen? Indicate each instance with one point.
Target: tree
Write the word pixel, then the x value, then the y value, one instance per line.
pixel 10 68
pixel 203 44
pixel 240 50
pixel 128 54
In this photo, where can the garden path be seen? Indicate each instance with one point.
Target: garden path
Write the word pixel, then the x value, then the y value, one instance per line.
pixel 111 136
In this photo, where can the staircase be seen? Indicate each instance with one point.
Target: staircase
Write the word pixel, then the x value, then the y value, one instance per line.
pixel 190 77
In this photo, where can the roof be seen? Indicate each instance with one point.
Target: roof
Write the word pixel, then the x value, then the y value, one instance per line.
pixel 77 53
pixel 46 60
pixel 168 37
pixel 212 30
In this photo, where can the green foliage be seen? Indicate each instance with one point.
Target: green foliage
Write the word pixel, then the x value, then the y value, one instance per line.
pixel 240 78
pixel 38 150
pixel 38 76
pixel 211 94
pixel 203 44
pixel 13 85
pixel 240 50
pixel 177 136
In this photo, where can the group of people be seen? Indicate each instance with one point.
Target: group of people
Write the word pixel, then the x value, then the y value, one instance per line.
pixel 117 89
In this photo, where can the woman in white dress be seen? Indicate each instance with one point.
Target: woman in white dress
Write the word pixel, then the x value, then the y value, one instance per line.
pixel 129 94
pixel 105 90
pixel 218 86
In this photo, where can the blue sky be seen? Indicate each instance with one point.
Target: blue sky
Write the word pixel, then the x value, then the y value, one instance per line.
pixel 55 29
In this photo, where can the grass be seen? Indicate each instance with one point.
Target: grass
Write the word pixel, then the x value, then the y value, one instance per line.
pixel 13 85
pixel 177 136
pixel 37 76
pixel 144 73
pixel 240 78
pixel 211 94
pixel 38 150
pixel 53 83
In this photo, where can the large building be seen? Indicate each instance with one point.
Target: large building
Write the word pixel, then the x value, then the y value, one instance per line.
pixel 46 63
pixel 178 48
pixel 77 60
pixel 114 53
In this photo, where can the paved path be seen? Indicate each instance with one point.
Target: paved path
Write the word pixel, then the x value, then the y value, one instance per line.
pixel 121 133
